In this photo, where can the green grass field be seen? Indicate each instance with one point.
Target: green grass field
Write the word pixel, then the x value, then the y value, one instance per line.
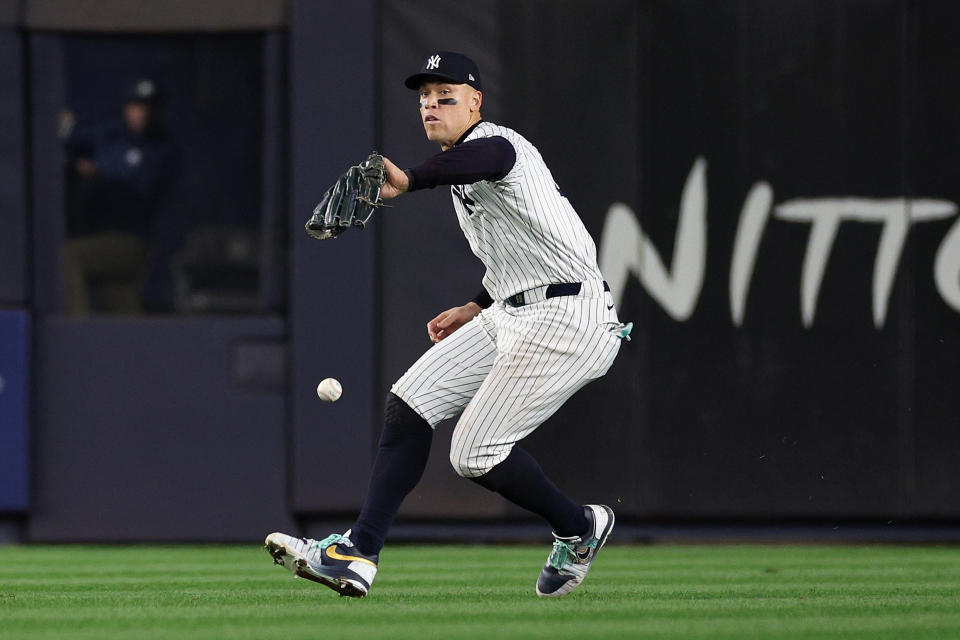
pixel 460 592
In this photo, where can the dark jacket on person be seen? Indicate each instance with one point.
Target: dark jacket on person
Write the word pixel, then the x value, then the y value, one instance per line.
pixel 133 178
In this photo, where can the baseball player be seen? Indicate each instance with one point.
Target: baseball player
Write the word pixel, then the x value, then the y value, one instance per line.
pixel 543 326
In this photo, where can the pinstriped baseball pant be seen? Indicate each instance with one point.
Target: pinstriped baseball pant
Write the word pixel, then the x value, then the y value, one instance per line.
pixel 508 370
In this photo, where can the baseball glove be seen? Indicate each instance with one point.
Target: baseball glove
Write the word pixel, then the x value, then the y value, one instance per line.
pixel 350 201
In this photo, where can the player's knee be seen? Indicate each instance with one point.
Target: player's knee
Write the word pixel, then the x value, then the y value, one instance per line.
pixel 398 412
pixel 402 423
pixel 459 464
pixel 463 464
pixel 471 462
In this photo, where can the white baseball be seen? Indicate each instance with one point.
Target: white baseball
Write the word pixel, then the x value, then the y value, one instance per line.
pixel 329 390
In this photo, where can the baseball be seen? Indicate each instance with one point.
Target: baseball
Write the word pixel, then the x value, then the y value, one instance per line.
pixel 329 390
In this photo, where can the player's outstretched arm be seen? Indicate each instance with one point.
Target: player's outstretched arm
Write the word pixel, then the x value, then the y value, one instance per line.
pixel 397 181
pixel 451 320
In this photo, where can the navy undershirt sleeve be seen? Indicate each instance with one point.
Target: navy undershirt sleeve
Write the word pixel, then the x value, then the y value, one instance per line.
pixel 483 299
pixel 481 159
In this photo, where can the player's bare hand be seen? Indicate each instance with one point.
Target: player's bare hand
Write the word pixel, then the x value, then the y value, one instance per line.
pixel 397 181
pixel 451 320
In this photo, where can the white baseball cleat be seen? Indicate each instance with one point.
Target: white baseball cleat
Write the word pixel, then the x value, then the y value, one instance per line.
pixel 570 559
pixel 333 562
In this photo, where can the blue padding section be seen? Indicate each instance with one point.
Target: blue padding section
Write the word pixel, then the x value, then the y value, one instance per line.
pixel 14 414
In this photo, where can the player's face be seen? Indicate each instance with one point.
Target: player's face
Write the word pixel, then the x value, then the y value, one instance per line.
pixel 447 110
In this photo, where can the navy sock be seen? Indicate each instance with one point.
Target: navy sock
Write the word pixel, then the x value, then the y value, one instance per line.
pixel 398 467
pixel 520 480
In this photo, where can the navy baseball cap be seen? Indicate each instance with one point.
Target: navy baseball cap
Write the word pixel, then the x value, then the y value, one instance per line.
pixel 144 91
pixel 448 66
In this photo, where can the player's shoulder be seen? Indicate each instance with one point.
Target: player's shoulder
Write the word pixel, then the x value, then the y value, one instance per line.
pixel 522 148
pixel 486 129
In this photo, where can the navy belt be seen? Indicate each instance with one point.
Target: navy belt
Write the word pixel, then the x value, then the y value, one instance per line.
pixel 552 291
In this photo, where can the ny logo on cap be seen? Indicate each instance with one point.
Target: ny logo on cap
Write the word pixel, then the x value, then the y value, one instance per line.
pixel 433 62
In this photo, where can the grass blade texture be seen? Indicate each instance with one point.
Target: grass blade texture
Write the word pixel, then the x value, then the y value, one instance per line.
pixel 462 592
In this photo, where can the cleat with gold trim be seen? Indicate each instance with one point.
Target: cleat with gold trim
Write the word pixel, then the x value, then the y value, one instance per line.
pixel 333 562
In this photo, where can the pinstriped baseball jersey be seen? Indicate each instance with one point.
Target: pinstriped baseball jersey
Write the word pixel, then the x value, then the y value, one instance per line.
pixel 512 367
pixel 521 227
